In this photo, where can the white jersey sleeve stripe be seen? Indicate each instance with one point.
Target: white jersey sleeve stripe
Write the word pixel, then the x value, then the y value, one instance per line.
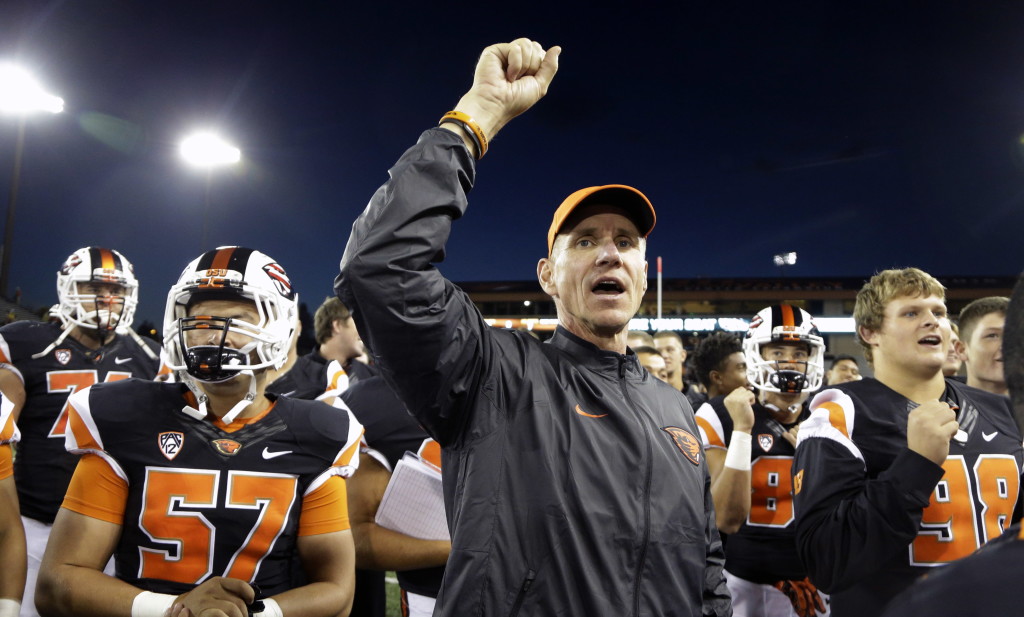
pixel 832 417
pixel 712 433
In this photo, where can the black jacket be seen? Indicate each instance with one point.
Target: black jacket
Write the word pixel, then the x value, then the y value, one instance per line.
pixel 574 481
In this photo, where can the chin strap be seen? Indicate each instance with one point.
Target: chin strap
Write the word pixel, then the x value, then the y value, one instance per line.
pixel 203 411
pixel 57 341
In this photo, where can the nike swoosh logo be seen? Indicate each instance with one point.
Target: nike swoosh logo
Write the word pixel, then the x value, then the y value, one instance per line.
pixel 267 454
pixel 121 360
pixel 989 436
pixel 588 415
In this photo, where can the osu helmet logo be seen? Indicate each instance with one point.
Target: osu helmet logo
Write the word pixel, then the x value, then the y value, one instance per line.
pixel 686 443
pixel 280 279
pixel 72 262
pixel 227 446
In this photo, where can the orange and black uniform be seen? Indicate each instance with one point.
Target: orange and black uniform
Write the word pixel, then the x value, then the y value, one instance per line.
pixel 43 468
pixel 872 516
pixel 197 498
pixel 763 550
pixel 9 435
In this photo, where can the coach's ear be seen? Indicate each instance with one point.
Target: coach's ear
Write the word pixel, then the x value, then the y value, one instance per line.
pixel 546 276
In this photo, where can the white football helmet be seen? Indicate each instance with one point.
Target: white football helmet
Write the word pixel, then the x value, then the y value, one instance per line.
pixel 231 273
pixel 96 265
pixel 780 324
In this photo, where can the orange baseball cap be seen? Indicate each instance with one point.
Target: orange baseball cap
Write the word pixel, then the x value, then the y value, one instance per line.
pixel 638 208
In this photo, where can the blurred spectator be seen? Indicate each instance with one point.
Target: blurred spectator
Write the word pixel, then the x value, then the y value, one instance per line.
pixel 981 325
pixel 651 360
pixel 844 368
pixel 719 364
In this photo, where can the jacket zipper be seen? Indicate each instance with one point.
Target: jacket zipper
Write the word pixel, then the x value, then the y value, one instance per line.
pixel 530 575
pixel 647 491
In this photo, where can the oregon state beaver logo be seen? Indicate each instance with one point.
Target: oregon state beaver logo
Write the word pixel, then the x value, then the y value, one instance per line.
pixel 686 442
pixel 227 446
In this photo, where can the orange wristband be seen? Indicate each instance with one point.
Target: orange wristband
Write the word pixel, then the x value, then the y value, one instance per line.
pixel 471 128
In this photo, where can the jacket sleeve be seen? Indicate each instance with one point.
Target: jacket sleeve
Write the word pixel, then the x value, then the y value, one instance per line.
pixel 423 331
pixel 848 524
pixel 716 601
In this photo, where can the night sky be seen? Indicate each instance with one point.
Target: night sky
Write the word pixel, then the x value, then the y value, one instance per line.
pixel 862 135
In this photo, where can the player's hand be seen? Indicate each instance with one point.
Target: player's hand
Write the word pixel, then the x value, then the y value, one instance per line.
pixel 790 435
pixel 740 405
pixel 509 79
pixel 929 428
pixel 216 597
pixel 807 602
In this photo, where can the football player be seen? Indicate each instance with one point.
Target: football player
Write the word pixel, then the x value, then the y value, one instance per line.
pixel 317 373
pixel 210 495
pixel 897 475
pixel 987 582
pixel 41 364
pixel 12 534
pixel 749 437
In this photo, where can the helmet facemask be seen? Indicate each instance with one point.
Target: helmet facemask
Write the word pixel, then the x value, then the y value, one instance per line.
pixel 254 279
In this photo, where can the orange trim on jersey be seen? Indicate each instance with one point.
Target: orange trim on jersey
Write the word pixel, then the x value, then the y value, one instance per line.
pixel 787 316
pixel 240 423
pixel 836 416
pixel 222 259
pixel 430 451
pixel 6 461
pixel 83 436
pixel 346 456
pixel 7 430
pixel 325 510
pixel 336 378
pixel 96 491
pixel 714 439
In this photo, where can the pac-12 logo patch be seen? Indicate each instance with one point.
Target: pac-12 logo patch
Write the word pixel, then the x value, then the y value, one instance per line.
pixel 63 356
pixel 686 443
pixel 170 443
pixel 766 441
pixel 227 446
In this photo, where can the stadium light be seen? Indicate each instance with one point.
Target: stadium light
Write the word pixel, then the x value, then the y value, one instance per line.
pixel 208 150
pixel 20 95
pixel 785 259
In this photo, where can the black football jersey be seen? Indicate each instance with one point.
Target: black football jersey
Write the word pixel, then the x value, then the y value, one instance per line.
pixel 312 375
pixel 392 431
pixel 204 502
pixel 873 516
pixel 43 468
pixel 763 550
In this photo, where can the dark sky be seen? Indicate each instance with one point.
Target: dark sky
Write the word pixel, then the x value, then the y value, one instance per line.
pixel 862 135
